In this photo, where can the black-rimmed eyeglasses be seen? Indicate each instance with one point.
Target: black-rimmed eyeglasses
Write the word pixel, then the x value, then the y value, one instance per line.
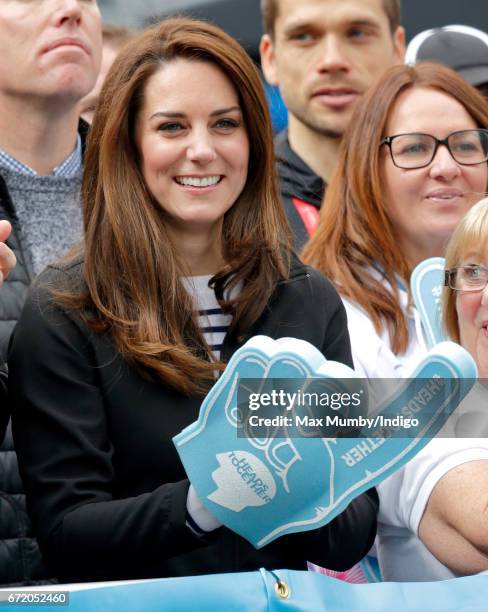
pixel 417 150
pixel 466 278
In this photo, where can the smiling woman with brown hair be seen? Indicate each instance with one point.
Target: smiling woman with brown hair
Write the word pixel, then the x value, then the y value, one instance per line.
pixel 185 257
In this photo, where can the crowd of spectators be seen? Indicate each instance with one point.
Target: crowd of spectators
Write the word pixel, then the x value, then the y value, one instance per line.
pixel 150 226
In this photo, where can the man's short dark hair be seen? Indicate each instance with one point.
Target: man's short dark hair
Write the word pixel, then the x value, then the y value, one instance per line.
pixel 269 12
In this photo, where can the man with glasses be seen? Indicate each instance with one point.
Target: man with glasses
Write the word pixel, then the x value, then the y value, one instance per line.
pixel 50 60
pixel 323 55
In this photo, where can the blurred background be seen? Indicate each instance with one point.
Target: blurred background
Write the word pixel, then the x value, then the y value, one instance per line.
pixel 241 18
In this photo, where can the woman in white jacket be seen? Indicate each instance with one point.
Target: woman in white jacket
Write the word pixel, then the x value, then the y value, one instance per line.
pixel 461 500
pixel 413 162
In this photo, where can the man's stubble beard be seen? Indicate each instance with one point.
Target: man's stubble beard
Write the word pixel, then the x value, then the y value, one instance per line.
pixel 314 125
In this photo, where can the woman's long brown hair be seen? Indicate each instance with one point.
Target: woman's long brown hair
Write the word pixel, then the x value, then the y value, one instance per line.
pixel 355 244
pixel 131 268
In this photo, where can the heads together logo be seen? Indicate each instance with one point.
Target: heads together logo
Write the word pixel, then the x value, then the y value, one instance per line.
pixel 242 480
pixel 264 487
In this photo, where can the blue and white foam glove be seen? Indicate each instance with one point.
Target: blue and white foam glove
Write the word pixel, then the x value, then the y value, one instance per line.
pixel 426 283
pixel 263 488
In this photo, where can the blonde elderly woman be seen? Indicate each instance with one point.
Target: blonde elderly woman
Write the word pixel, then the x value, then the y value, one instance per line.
pixel 454 525
pixel 465 299
pixel 452 535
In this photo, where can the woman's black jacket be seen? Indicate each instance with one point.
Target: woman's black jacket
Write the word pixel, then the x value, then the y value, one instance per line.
pixel 105 487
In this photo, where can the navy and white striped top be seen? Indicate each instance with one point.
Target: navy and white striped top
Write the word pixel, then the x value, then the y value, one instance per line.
pixel 214 325
pixel 211 319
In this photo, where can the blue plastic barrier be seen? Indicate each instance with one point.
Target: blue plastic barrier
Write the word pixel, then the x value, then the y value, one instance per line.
pixel 300 591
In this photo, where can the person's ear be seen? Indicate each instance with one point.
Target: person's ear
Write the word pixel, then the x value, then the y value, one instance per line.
pixel 399 45
pixel 268 60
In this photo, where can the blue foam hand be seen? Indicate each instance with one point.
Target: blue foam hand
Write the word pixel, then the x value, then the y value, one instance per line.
pixel 265 487
pixel 426 283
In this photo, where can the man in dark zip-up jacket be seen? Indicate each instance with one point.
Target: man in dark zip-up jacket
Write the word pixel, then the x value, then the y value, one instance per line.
pixel 50 60
pixel 20 559
pixel 302 191
pixel 323 56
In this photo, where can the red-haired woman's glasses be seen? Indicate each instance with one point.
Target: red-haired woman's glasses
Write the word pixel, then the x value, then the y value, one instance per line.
pixel 466 278
pixel 416 150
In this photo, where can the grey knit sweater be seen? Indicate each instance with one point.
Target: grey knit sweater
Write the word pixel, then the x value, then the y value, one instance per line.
pixel 49 213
